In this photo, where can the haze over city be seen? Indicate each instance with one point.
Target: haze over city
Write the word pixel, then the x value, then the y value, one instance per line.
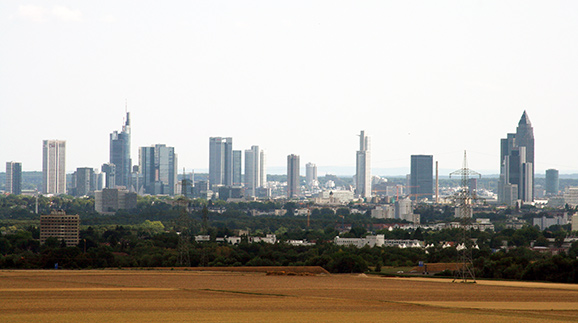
pixel 297 78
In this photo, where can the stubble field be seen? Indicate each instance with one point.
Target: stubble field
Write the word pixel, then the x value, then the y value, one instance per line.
pixel 180 295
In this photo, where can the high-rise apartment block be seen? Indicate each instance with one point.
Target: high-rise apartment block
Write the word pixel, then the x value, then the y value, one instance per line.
pixel 363 168
pixel 311 174
pixel 120 154
pixel 255 173
pixel 552 182
pixel 61 226
pixel 158 169
pixel 293 187
pixel 221 161
pixel 54 167
pixel 421 177
pixel 14 178
pixel 517 164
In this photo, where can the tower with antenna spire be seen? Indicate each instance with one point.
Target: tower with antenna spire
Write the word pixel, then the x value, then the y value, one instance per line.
pixel 120 153
pixel 363 167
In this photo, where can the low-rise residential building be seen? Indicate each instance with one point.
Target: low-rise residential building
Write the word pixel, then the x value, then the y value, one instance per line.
pixel 571 196
pixel 378 241
pixel 370 241
pixel 544 222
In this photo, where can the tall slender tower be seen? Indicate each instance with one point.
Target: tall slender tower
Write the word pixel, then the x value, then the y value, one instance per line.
pixel 293 176
pixel 54 167
pixel 517 164
pixel 363 167
pixel 120 154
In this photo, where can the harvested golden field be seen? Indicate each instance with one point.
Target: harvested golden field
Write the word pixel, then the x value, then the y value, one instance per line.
pixel 177 295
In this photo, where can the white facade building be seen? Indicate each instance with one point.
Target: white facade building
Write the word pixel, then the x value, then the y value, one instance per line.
pixel 54 167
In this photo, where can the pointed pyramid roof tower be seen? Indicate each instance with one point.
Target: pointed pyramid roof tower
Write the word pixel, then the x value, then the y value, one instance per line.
pixel 524 120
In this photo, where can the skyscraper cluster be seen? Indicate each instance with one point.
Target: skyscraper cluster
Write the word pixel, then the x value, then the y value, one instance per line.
pixel 225 166
pixel 517 164
pixel 156 172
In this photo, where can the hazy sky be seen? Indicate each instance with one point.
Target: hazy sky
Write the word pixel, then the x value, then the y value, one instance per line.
pixel 294 77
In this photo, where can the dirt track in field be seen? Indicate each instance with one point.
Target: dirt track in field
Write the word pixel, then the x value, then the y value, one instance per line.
pixel 177 295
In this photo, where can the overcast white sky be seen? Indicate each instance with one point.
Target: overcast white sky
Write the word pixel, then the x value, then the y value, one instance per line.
pixel 294 77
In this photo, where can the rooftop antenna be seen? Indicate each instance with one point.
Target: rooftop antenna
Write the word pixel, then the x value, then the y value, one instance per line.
pixel 464 200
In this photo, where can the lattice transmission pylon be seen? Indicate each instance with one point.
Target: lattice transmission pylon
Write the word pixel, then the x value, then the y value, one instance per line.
pixel 464 200
pixel 184 227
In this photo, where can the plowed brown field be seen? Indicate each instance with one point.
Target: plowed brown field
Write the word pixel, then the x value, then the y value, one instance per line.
pixel 171 296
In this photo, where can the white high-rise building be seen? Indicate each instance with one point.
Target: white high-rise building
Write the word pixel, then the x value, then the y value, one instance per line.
pixel 363 168
pixel 311 174
pixel 54 167
pixel 255 171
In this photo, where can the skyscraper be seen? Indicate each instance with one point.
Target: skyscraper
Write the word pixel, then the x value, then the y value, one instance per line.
pixel 363 168
pixel 517 164
pixel 14 178
pixel 552 182
pixel 54 167
pixel 109 171
pixel 85 181
pixel 146 161
pixel 311 173
pixel 158 169
pixel 421 177
pixel 237 167
pixel 166 168
pixel 120 154
pixel 255 176
pixel 221 161
pixel 293 187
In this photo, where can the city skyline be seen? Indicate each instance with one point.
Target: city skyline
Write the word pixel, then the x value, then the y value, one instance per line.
pixel 451 78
